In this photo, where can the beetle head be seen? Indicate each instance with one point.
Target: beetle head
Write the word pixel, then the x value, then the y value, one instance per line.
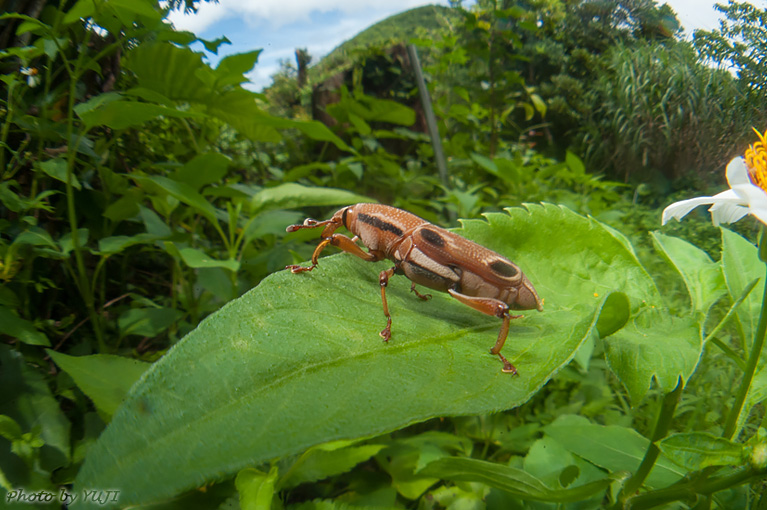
pixel 527 298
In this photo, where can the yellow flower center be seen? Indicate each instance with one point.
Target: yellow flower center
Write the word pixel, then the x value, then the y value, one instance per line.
pixel 756 161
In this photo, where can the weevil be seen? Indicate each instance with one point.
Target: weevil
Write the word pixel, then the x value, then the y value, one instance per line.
pixel 430 256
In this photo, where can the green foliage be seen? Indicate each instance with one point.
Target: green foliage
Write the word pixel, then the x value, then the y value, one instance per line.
pixel 379 388
pixel 661 113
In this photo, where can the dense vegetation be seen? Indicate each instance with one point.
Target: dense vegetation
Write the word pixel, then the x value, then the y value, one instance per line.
pixel 141 190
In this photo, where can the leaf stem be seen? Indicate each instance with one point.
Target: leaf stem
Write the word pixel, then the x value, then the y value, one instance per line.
pixel 687 490
pixel 662 425
pixel 753 358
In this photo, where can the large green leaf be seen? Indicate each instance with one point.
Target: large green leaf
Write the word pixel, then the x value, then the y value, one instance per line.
pixel 611 447
pixel 104 378
pixel 741 266
pixel 513 480
pixel 697 450
pixel 702 276
pixel 298 361
pixel 292 196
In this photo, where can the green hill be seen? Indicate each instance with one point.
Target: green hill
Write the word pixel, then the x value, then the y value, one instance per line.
pixel 400 27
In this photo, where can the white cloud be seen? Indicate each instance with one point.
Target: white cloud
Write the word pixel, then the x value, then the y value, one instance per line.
pixel 278 13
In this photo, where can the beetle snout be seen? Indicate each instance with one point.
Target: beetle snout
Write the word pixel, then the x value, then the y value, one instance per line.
pixel 527 298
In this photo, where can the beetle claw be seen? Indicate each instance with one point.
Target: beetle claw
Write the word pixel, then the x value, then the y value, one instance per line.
pixel 508 368
pixel 386 332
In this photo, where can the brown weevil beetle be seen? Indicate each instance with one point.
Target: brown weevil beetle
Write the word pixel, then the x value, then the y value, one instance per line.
pixel 430 256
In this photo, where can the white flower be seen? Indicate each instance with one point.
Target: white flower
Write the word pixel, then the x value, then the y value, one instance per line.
pixel 33 76
pixel 747 179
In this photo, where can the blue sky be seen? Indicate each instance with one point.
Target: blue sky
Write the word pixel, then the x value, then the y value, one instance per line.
pixel 281 26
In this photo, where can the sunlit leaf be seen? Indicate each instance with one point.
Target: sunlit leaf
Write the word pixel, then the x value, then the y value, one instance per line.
pixel 304 349
pixel 697 450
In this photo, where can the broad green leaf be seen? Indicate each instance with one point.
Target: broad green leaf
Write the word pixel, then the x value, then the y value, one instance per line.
pixel 256 489
pixel 556 467
pixel 197 258
pixel 169 70
pixel 697 450
pixel 27 399
pixel 125 114
pixel 35 236
pixel 540 104
pixel 130 11
pixel 147 321
pixel 183 192
pixel 304 349
pixel 615 314
pixel 57 168
pixel 324 461
pixel 232 68
pixel 702 276
pixel 104 378
pixel 66 243
pixel 741 265
pixel 21 329
pixel 153 224
pixel 238 108
pixel 9 429
pixel 272 222
pixel 82 9
pixel 116 244
pixel 126 206
pixel 486 163
pixel 294 196
pixel 516 481
pixel 204 169
pixel 402 462
pixel 611 447
pixel 656 345
pixel 96 101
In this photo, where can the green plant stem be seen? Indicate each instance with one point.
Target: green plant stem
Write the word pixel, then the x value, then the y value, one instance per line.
pixel 6 128
pixel 724 347
pixel 688 490
pixel 753 358
pixel 662 425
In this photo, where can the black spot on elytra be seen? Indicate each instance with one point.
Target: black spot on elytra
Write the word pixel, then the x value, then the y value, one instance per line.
pixel 432 237
pixel 503 268
pixel 379 224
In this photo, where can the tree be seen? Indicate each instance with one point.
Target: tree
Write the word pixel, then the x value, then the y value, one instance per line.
pixel 739 44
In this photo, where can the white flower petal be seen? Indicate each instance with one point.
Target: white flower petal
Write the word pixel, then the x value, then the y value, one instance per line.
pixel 737 173
pixel 682 208
pixel 724 212
pixel 760 213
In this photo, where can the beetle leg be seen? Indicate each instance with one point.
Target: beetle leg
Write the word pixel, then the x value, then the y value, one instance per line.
pixel 383 279
pixel 341 241
pixel 498 308
pixel 422 297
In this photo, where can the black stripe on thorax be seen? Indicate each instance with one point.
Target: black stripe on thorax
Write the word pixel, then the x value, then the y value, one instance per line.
pixel 432 237
pixel 380 224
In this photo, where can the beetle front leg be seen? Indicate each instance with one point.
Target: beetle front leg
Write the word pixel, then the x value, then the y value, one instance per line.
pixel 383 279
pixel 498 308
pixel 340 241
